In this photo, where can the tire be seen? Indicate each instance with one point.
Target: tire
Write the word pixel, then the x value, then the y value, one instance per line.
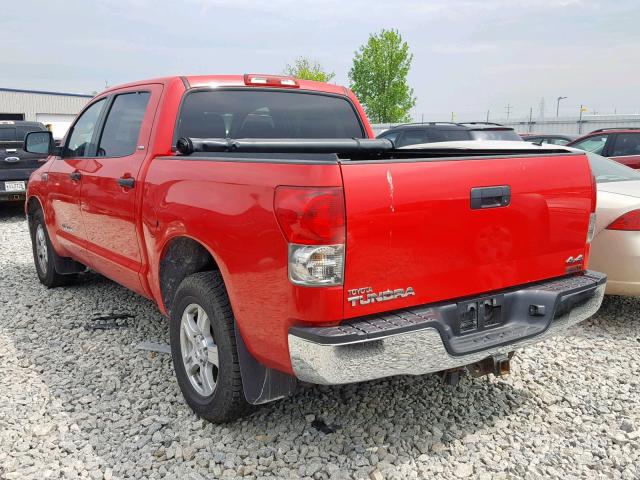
pixel 203 348
pixel 44 255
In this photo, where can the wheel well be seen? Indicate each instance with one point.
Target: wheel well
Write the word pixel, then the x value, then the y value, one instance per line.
pixel 33 205
pixel 182 257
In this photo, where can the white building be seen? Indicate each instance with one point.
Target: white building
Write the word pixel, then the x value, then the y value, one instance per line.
pixel 55 109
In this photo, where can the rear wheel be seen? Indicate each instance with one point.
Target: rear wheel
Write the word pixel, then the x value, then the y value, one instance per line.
pixel 203 347
pixel 44 255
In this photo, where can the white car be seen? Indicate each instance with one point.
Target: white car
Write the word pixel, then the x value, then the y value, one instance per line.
pixel 615 249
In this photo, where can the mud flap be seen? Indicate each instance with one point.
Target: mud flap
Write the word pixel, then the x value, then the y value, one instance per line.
pixel 261 384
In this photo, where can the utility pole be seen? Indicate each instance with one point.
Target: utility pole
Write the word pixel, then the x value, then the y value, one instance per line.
pixel 582 109
pixel 422 118
pixel 541 110
pixel 508 109
pixel 487 116
pixel 530 119
pixel 453 116
pixel 558 105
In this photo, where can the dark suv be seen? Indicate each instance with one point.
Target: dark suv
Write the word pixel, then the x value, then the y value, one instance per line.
pixel 15 164
pixel 415 133
pixel 619 144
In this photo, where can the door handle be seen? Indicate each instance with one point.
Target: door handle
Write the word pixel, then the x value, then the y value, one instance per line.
pixel 127 182
pixel 75 176
pixel 490 197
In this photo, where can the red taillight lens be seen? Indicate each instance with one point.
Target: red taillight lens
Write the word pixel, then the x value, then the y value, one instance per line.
pixel 310 215
pixel 594 193
pixel 628 221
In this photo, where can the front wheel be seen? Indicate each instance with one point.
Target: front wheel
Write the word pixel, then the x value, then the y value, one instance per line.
pixel 44 255
pixel 203 348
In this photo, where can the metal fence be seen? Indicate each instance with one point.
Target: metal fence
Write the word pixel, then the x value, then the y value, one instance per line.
pixel 575 125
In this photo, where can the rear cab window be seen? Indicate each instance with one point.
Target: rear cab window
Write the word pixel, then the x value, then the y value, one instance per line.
pixel 605 170
pixel 263 113
pixel 8 134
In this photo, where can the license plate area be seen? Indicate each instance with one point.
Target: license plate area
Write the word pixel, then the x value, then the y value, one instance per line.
pixel 14 186
pixel 479 314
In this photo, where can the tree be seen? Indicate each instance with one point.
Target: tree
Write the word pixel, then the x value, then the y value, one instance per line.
pixel 379 77
pixel 307 69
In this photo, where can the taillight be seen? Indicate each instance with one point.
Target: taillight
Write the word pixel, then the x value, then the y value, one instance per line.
pixel 269 81
pixel 313 222
pixel 594 193
pixel 628 221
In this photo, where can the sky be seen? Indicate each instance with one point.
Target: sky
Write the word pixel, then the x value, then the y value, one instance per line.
pixel 470 58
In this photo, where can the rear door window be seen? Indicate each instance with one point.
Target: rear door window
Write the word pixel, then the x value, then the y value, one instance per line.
pixel 122 127
pixel 253 113
pixel 626 144
pixel 412 137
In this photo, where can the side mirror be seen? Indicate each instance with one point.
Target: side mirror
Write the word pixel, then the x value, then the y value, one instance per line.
pixel 39 142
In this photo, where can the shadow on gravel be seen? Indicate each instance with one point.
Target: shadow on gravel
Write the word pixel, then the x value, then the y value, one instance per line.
pixel 97 375
pixel 12 212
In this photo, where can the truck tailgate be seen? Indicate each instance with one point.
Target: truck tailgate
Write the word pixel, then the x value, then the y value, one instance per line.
pixel 410 224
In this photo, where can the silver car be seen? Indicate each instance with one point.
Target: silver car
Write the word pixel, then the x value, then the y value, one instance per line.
pixel 615 249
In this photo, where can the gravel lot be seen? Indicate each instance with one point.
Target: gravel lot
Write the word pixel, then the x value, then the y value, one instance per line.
pixel 78 403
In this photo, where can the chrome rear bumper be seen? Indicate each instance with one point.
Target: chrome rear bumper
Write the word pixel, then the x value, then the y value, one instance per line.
pixel 418 341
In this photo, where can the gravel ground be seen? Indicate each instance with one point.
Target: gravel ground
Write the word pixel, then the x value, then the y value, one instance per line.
pixel 78 403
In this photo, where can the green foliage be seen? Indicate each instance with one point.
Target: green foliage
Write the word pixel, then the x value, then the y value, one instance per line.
pixel 306 69
pixel 379 77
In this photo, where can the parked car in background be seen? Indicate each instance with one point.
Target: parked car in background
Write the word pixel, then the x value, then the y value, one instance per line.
pixel 552 138
pixel 415 133
pixel 15 164
pixel 491 131
pixel 619 144
pixel 410 134
pixel 229 199
pixel 615 249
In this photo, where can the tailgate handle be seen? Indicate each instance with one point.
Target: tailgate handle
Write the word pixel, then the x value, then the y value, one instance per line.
pixel 490 197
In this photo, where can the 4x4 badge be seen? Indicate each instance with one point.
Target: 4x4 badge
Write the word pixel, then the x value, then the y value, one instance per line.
pixel 572 260
pixel 366 295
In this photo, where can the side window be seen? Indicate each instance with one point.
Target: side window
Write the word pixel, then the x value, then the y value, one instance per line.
pixel 557 141
pixel 122 127
pixel 79 143
pixel 593 144
pixel 393 136
pixel 412 137
pixel 626 144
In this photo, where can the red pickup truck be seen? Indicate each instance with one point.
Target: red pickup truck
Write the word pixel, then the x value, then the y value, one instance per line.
pixel 285 243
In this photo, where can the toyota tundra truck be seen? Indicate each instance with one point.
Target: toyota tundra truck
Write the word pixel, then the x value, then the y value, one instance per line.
pixel 286 244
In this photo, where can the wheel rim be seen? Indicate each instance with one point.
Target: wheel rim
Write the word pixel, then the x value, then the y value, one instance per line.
pixel 199 350
pixel 41 248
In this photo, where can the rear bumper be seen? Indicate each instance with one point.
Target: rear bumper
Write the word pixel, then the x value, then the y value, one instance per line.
pixel 428 339
pixel 12 195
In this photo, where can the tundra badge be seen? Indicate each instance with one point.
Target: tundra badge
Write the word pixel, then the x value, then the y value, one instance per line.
pixel 366 295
